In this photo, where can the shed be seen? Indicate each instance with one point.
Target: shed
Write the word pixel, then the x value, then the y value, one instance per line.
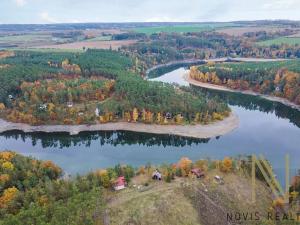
pixel 198 173
pixel 219 179
pixel 156 175
pixel 119 184
pixel 70 104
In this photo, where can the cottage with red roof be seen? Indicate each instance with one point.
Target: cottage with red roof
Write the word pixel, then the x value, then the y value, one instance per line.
pixel 120 184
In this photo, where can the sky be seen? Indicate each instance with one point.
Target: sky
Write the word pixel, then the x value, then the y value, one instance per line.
pixel 75 11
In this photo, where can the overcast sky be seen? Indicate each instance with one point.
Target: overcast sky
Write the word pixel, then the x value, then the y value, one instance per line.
pixel 69 11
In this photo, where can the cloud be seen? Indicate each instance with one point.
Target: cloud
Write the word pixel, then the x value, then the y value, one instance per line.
pixel 47 18
pixel 20 3
pixel 281 4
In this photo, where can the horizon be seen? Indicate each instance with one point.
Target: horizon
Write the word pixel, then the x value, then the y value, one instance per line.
pixel 174 22
pixel 104 11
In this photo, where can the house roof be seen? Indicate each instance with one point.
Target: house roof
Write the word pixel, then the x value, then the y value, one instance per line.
pixel 197 171
pixel 120 181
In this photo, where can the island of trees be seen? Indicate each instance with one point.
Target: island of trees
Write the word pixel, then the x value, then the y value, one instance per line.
pixel 96 86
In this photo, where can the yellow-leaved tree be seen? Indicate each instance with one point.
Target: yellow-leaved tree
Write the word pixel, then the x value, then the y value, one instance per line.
pixel 158 118
pixel 8 195
pixel 135 115
pixel 7 165
pixel 2 106
pixel 104 178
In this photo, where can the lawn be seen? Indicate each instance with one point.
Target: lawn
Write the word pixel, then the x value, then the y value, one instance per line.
pixel 281 40
pixel 182 28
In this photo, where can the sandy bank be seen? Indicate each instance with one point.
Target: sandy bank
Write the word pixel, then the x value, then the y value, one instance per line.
pixel 222 88
pixel 197 131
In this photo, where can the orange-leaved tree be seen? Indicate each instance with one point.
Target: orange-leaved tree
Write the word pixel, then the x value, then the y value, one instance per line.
pixel 185 164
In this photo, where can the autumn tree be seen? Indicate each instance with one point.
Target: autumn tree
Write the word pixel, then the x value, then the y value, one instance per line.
pixel 227 165
pixel 2 106
pixel 185 164
pixel 135 115
pixel 8 195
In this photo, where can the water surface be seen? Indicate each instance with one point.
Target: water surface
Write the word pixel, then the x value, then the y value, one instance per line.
pixel 266 127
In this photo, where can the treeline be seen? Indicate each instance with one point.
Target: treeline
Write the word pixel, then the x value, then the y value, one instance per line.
pixel 128 36
pixel 280 79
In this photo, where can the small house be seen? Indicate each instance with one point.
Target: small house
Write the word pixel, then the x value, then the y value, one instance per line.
pixel 70 104
pixel 198 173
pixel 119 184
pixel 156 175
pixel 97 112
pixel 168 115
pixel 219 179
pixel 42 107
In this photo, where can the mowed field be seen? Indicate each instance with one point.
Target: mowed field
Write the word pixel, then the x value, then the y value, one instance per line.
pixel 26 40
pixel 90 44
pixel 239 31
pixel 281 40
pixel 182 28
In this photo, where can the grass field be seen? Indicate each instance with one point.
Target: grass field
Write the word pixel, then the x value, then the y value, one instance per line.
pixel 88 44
pixel 185 201
pixel 46 50
pixel 24 37
pixel 29 40
pixel 281 40
pixel 183 28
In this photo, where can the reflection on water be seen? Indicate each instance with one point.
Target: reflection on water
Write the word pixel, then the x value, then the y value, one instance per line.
pixel 114 138
pixel 250 102
pixel 267 128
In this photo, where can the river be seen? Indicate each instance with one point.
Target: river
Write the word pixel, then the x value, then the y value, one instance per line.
pixel 266 127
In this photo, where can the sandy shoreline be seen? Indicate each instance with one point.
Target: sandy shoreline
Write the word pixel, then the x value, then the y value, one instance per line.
pixel 197 131
pixel 222 88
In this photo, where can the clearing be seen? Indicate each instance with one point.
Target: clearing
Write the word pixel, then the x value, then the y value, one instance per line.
pixel 90 44
pixel 281 40
pixel 186 201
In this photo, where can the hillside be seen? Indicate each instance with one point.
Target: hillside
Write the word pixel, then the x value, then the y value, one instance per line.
pixel 36 192
pixel 187 201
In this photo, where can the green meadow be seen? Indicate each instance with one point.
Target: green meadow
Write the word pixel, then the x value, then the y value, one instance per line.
pixel 281 40
pixel 183 28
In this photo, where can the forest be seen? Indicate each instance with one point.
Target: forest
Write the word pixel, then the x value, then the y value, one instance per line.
pixel 160 48
pixel 281 79
pixel 38 192
pixel 96 86
pixel 35 192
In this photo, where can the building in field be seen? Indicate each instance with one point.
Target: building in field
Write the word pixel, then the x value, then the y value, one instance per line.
pixel 119 184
